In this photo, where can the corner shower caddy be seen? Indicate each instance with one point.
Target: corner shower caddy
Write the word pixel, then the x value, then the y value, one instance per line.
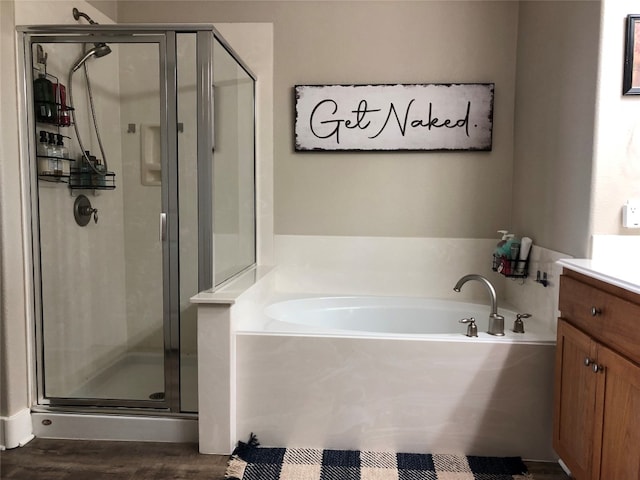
pixel 82 177
pixel 55 125
pixel 510 268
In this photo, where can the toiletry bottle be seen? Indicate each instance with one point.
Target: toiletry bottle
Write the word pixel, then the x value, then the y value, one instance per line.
pixel 61 98
pixel 505 248
pixel 501 243
pixel 44 100
pixel 54 155
pixel 502 253
pixel 101 180
pixel 85 169
pixel 42 152
pixel 523 255
pixel 505 254
pixel 64 153
pixel 93 176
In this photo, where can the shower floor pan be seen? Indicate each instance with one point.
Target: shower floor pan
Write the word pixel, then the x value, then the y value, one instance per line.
pixel 140 376
pixel 134 376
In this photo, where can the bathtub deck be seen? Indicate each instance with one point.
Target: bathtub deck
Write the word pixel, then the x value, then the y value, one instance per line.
pixel 78 460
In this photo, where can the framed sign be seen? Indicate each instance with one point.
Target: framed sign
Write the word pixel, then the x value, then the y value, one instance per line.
pixel 453 116
pixel 631 79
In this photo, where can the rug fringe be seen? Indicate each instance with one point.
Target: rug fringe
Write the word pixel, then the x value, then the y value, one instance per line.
pixel 235 469
pixel 524 476
pixel 242 447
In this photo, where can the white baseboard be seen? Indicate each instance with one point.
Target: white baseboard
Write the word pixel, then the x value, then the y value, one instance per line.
pixel 16 430
pixel 564 467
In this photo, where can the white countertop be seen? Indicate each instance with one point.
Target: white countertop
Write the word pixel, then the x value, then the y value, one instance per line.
pixel 619 273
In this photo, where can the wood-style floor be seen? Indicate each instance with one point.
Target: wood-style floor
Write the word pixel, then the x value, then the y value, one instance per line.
pixel 47 459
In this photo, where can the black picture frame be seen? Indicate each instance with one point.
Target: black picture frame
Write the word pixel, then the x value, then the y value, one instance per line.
pixel 631 78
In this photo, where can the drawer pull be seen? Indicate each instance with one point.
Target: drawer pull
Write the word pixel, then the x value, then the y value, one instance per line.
pixel 587 361
pixel 597 368
pixel 595 311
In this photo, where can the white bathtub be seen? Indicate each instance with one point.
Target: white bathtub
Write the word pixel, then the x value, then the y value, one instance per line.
pixel 365 373
pixel 393 317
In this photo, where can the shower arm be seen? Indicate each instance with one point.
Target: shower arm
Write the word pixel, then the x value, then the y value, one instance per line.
pixel 77 14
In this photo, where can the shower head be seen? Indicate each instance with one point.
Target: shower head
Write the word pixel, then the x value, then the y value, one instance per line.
pixel 101 49
pixel 98 50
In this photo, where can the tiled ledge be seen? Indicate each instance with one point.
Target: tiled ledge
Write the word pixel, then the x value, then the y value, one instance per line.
pixel 230 291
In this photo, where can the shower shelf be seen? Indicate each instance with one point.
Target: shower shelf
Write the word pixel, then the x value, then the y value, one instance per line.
pixel 53 178
pixel 57 105
pixel 56 158
pixel 510 268
pixel 83 180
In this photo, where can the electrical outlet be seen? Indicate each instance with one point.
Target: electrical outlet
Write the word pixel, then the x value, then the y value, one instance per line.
pixel 631 214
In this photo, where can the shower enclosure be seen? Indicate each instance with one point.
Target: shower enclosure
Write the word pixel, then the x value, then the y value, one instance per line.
pixel 144 197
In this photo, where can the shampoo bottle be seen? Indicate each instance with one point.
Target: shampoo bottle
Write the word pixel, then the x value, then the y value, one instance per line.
pixel 525 248
pixel 44 100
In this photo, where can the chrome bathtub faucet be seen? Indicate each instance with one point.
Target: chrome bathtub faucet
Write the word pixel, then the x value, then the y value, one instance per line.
pixel 496 321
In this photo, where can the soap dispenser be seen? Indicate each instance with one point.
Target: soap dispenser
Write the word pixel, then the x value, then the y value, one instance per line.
pixel 54 155
pixel 42 152
pixel 502 253
pixel 502 241
pixel 63 152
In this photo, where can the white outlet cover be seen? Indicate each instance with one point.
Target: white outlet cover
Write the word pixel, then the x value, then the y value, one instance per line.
pixel 631 215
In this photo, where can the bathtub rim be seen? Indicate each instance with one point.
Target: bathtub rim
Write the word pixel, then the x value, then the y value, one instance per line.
pixel 265 325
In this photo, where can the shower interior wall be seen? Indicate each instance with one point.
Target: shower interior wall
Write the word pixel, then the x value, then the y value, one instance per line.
pixel 72 293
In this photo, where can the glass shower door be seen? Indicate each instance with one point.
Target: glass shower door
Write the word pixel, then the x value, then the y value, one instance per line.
pixel 102 291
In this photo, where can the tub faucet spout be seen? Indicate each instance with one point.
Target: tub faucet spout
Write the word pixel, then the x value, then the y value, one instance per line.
pixel 496 321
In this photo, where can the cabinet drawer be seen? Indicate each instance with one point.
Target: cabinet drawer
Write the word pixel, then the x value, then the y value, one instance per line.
pixel 610 319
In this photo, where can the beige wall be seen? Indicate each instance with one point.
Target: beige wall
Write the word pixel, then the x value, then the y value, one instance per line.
pixel 14 385
pixel 108 7
pixel 465 194
pixel 617 154
pixel 14 281
pixel 554 117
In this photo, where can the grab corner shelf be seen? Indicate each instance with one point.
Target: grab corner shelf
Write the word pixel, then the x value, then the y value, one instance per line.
pixel 511 268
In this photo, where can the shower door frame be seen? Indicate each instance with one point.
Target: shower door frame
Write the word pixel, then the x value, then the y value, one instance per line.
pixel 165 37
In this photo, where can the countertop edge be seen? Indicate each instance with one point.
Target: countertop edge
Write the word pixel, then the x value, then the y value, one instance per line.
pixel 623 277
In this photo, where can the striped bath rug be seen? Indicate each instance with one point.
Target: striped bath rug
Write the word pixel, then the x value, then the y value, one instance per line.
pixel 249 461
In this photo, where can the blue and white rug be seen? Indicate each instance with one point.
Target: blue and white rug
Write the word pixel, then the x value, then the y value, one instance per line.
pixel 249 461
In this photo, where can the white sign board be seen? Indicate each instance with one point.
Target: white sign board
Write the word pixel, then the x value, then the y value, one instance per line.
pixel 394 117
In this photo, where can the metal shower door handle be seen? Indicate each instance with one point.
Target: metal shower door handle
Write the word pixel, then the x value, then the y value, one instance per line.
pixel 163 226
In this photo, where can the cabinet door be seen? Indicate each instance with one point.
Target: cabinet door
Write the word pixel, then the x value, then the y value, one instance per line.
pixel 575 399
pixel 619 439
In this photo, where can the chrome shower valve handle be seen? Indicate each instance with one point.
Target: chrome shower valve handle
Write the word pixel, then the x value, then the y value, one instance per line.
pixel 82 211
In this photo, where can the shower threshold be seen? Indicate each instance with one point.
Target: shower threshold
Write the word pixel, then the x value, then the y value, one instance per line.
pixel 85 426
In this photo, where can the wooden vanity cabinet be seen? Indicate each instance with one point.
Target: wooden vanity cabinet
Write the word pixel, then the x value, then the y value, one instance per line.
pixel 596 428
